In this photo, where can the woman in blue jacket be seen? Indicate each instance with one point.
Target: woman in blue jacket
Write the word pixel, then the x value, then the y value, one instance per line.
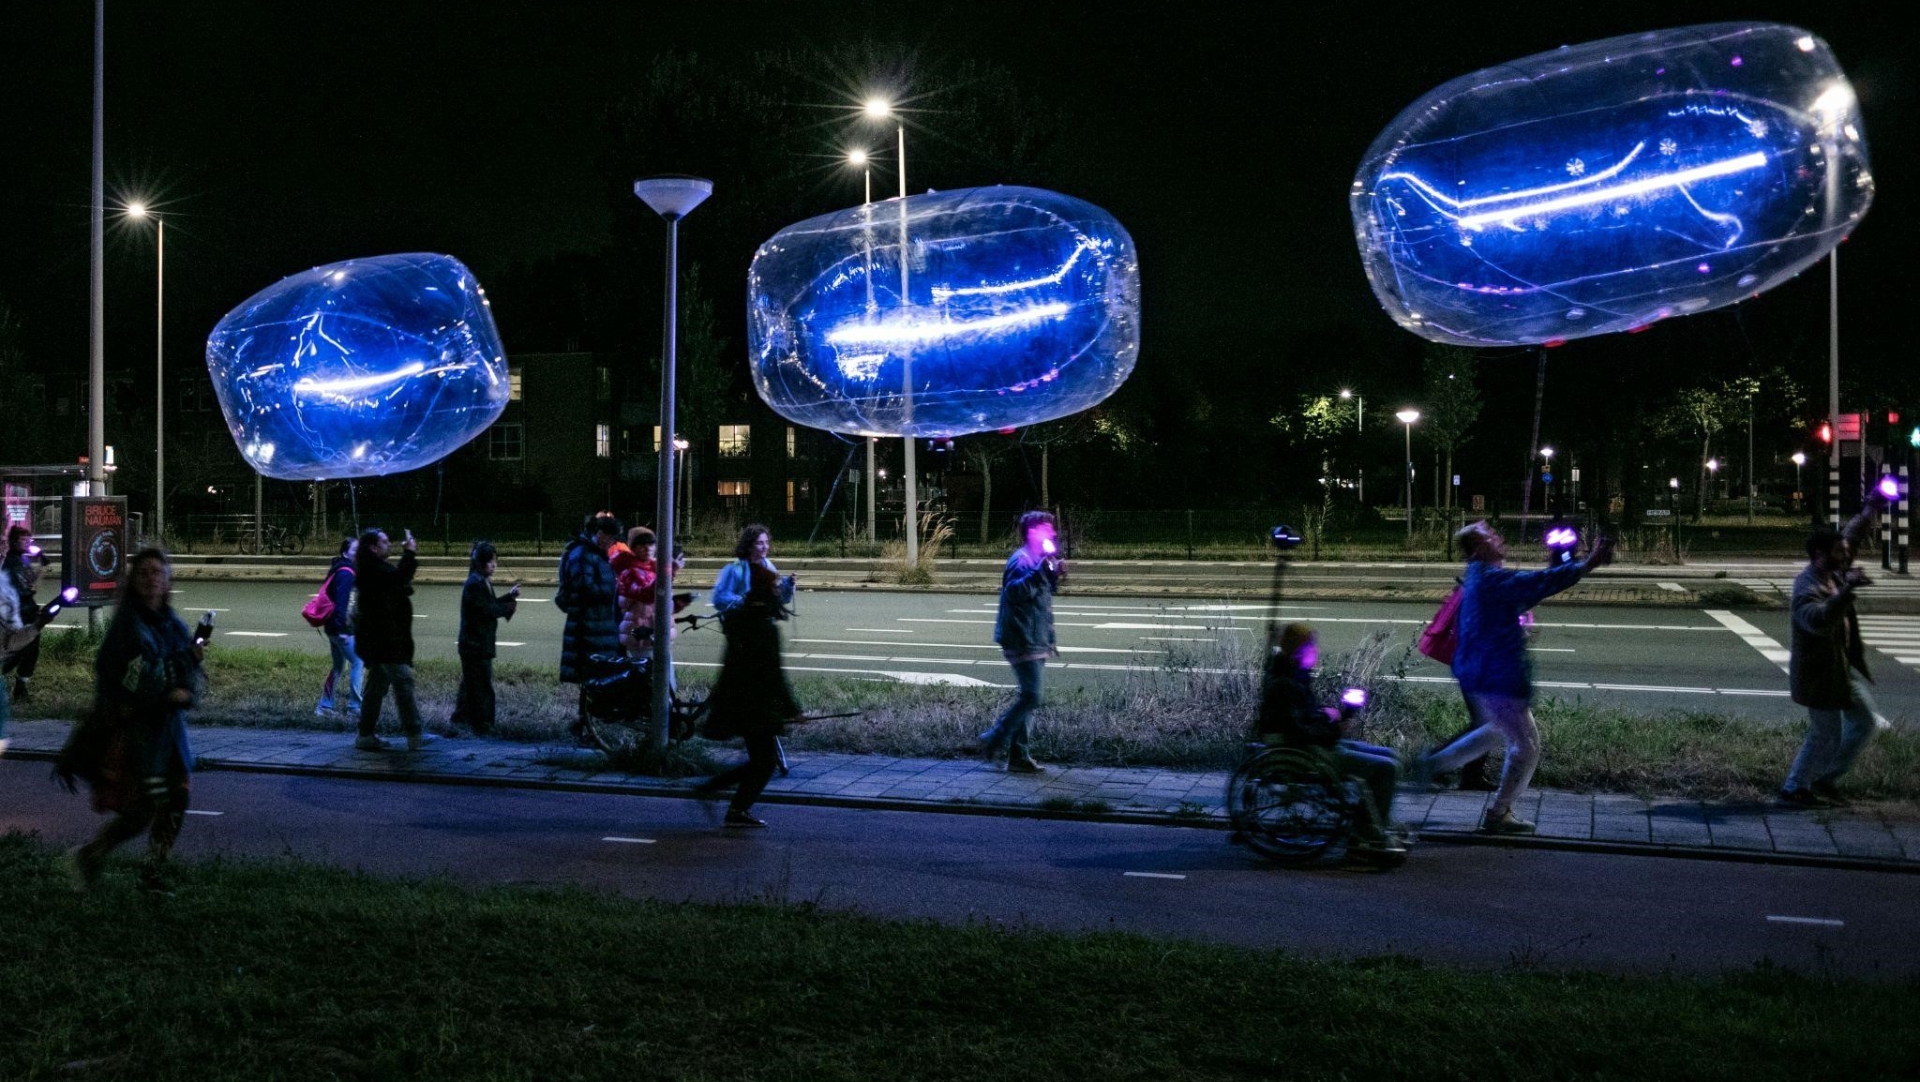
pixel 1492 667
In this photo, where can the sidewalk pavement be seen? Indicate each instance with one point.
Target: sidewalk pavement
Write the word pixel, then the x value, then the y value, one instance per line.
pixel 1865 837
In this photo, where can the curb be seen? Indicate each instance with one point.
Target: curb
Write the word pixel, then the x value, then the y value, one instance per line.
pixel 1017 811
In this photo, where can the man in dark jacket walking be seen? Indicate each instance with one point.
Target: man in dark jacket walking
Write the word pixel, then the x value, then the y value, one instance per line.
pixel 1024 630
pixel 1827 664
pixel 480 614
pixel 588 597
pixel 384 638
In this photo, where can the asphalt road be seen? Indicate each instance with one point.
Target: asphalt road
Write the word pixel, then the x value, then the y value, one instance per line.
pixel 1653 657
pixel 1475 906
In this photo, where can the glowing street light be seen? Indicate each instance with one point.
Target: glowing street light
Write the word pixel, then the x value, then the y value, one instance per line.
pixel 1359 425
pixel 1799 460
pixel 880 108
pixel 860 160
pixel 1407 417
pixel 140 210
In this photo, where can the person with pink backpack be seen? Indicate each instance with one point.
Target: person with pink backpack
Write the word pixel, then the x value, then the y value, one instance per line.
pixel 331 612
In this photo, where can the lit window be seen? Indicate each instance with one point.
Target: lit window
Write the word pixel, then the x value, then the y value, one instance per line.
pixel 513 384
pixel 733 440
pixel 656 439
pixel 603 441
pixel 793 446
pixel 734 488
pixel 790 485
pixel 507 442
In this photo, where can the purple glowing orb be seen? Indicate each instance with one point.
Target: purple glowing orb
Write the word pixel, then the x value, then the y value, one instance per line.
pixel 1354 696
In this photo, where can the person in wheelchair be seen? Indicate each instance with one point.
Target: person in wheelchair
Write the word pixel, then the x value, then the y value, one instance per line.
pixel 1291 715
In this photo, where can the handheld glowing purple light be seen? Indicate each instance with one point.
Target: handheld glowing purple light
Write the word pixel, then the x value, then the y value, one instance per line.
pixel 1889 487
pixel 1046 545
pixel 1562 537
pixel 1354 696
pixel 70 594
pixel 33 550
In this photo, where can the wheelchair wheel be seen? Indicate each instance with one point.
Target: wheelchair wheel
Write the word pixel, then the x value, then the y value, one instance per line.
pixel 1288 804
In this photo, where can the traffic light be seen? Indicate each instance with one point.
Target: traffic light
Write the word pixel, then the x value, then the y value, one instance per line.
pixel 1913 438
pixel 1826 432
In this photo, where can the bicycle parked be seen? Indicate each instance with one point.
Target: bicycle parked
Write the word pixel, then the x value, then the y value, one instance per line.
pixel 273 540
pixel 619 700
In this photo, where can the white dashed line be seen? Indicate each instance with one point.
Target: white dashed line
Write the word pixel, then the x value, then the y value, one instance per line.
pixel 1152 875
pixel 509 644
pixel 628 841
pixel 203 811
pixel 1673 586
pixel 884 630
pixel 256 634
pixel 1821 921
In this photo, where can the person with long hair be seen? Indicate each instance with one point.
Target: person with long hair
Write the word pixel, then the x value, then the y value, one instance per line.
pixel 751 699
pixel 588 596
pixel 132 748
pixel 347 665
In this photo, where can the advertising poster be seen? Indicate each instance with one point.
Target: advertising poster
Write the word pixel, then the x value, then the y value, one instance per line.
pixel 95 552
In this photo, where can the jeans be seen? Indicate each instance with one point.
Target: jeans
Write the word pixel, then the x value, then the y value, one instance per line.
pixel 1012 728
pixel 473 705
pixel 344 660
pixel 1504 719
pixel 1379 768
pixel 379 678
pixel 1834 739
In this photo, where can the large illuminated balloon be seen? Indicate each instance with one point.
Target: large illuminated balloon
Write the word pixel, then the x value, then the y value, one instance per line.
pixel 1601 187
pixel 358 369
pixel 1013 306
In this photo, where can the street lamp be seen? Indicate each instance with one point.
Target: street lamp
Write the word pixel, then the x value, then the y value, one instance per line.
pixel 1546 471
pixel 1407 417
pixel 680 445
pixel 1359 425
pixel 1799 460
pixel 860 160
pixel 879 108
pixel 139 210
pixel 672 198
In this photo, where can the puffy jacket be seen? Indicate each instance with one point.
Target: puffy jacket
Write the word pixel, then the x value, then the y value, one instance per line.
pixel 588 597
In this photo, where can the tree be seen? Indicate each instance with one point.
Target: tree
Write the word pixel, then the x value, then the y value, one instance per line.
pixel 985 451
pixel 1453 400
pixel 1326 424
pixel 1700 412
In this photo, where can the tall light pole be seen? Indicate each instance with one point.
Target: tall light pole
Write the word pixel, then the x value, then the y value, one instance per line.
pixel 139 210
pixel 1799 460
pixel 680 446
pixel 1359 426
pixel 1407 417
pixel 97 279
pixel 860 160
pixel 672 198
pixel 1546 454
pixel 881 109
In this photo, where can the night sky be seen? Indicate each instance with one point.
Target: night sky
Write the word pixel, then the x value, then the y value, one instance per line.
pixel 280 136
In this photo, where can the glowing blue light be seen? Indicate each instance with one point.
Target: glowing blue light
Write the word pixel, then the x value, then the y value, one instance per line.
pixel 1015 306
pixel 359 369
pixel 1601 187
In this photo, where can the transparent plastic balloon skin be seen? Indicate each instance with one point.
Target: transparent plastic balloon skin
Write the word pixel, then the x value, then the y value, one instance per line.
pixel 359 369
pixel 1025 307
pixel 1601 187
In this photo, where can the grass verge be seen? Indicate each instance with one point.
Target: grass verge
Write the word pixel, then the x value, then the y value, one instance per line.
pixel 266 971
pixel 1189 713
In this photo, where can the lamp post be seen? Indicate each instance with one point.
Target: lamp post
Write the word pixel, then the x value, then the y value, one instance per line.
pixel 860 160
pixel 680 446
pixel 1359 426
pixel 1799 460
pixel 1546 471
pixel 139 210
pixel 878 108
pixel 672 198
pixel 1407 417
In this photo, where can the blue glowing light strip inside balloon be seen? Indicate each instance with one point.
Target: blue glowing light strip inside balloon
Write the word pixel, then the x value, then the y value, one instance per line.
pixel 941 293
pixel 911 331
pixel 1677 179
pixel 359 383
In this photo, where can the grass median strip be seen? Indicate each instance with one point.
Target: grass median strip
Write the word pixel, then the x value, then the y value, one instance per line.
pixel 1189 711
pixel 278 970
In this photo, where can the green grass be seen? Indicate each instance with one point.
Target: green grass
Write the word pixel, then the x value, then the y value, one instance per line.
pixel 271 971
pixel 1191 712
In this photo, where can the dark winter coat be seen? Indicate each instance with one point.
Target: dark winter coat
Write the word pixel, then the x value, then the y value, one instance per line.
pixel 135 730
pixel 751 695
pixel 1826 636
pixel 1289 710
pixel 341 576
pixel 1024 625
pixel 480 615
pixel 588 597
pixel 1492 656
pixel 383 628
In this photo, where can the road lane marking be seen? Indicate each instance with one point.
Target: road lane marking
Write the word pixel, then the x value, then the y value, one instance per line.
pixel 1822 921
pixel 627 841
pixel 1673 586
pixel 1549 649
pixel 256 634
pixel 509 644
pixel 1152 875
pixel 1752 636
pixel 981 646
pixel 885 630
pixel 1169 638
pixel 203 811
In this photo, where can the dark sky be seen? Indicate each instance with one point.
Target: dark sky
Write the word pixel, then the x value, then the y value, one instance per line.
pixel 277 136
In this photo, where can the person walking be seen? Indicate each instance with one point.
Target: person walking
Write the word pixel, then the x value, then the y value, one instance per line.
pixel 751 699
pixel 339 632
pixel 132 749
pixel 23 566
pixel 13 635
pixel 588 596
pixel 1024 630
pixel 481 611
pixel 1827 664
pixel 384 637
pixel 1291 716
pixel 1492 668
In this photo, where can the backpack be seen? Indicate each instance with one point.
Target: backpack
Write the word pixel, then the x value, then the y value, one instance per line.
pixel 1442 634
pixel 320 607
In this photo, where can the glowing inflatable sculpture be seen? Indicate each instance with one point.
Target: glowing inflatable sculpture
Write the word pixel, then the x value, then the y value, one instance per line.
pixel 357 369
pixel 950 313
pixel 1601 187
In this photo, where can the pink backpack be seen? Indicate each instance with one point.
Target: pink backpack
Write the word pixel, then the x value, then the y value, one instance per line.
pixel 320 607
pixel 1442 635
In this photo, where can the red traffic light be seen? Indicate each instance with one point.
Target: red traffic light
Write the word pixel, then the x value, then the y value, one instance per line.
pixel 1826 432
